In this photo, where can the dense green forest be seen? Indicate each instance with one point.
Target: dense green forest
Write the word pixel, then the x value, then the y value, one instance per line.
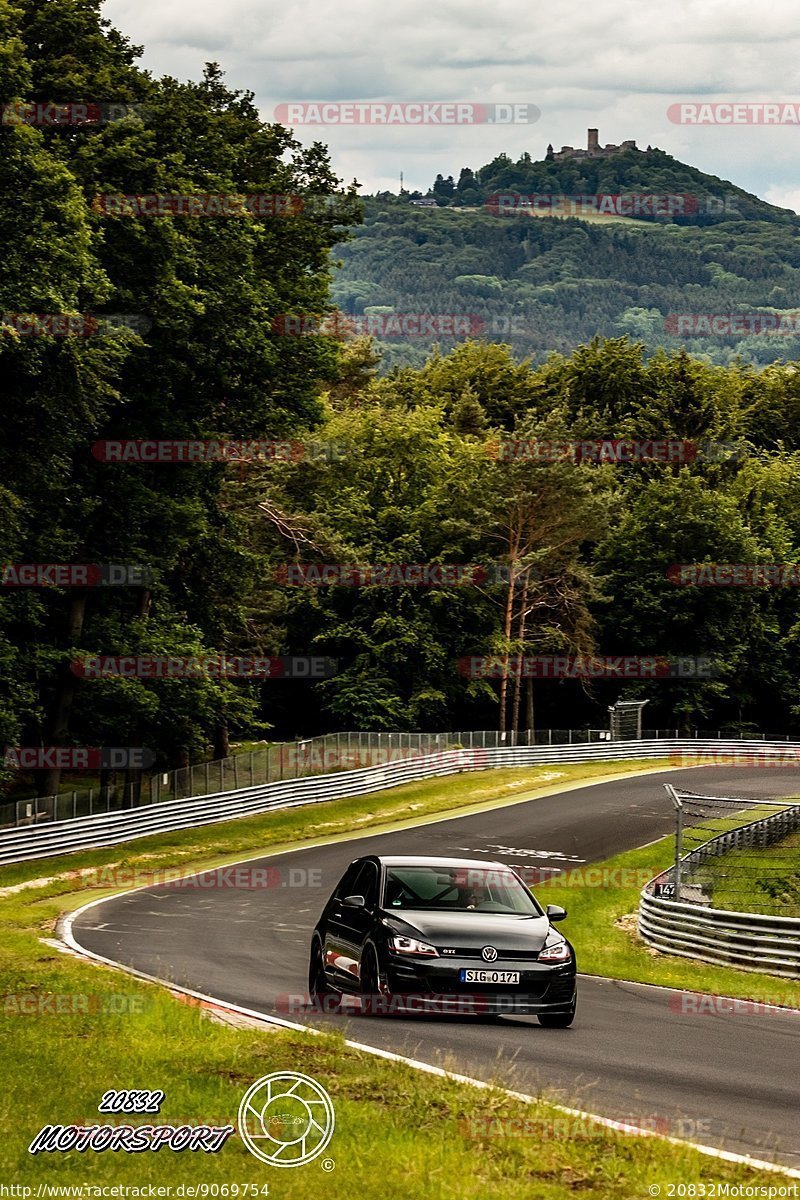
pixel 588 545
pixel 575 555
pixel 544 283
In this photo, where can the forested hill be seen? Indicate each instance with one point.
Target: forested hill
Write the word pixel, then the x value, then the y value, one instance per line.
pixel 542 282
pixel 634 171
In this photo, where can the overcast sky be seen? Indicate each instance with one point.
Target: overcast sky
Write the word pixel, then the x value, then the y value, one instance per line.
pixel 617 66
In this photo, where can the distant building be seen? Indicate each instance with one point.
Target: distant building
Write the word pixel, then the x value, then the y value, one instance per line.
pixel 593 149
pixel 427 203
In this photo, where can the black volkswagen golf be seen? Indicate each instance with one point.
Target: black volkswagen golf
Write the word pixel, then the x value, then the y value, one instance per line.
pixel 441 935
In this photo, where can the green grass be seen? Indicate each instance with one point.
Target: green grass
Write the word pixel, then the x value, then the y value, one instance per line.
pixel 409 804
pixel 756 880
pixel 237 748
pixel 602 903
pixel 399 1133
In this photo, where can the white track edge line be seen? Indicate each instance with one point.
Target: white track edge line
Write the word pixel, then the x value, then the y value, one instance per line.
pixel 711 1151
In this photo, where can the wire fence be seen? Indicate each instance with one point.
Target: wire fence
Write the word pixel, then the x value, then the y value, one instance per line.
pixel 739 855
pixel 297 760
pixel 270 764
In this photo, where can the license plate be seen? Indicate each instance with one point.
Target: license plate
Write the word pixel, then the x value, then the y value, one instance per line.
pixel 469 976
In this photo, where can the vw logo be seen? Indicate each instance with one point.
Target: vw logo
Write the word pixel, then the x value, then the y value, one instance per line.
pixel 286 1119
pixel 488 954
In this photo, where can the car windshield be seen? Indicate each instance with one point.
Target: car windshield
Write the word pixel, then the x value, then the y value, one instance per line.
pixel 454 889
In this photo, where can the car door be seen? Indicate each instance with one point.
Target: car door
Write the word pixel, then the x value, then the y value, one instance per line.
pixel 332 930
pixel 349 926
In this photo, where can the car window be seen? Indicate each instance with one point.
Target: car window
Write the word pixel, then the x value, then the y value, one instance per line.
pixel 470 889
pixel 345 884
pixel 366 884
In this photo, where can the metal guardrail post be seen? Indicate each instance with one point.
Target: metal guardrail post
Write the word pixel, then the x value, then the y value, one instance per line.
pixel 678 846
pixel 678 805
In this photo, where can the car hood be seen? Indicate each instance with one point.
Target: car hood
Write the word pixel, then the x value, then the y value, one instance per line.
pixel 472 929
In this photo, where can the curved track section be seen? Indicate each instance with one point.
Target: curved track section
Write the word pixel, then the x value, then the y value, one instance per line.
pixel 726 1079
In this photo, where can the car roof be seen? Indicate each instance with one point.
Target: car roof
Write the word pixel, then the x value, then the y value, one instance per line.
pixel 421 860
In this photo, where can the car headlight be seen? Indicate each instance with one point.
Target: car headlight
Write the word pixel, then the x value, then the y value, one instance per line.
pixel 556 952
pixel 409 945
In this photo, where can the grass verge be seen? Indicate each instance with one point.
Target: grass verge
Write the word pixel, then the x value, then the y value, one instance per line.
pixel 213 845
pixel 72 1030
pixel 399 1133
pixel 602 902
pixel 756 880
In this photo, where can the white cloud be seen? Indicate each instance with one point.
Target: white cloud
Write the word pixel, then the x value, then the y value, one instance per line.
pixel 614 65
pixel 784 197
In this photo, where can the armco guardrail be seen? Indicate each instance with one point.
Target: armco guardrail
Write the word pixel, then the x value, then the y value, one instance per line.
pixel 109 829
pixel 274 763
pixel 745 940
pixel 319 755
pixel 690 929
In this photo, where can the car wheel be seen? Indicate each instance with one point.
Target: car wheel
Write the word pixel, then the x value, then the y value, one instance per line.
pixel 558 1020
pixel 322 998
pixel 373 1000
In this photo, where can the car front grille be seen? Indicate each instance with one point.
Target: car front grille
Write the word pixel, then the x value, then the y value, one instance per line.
pixel 526 955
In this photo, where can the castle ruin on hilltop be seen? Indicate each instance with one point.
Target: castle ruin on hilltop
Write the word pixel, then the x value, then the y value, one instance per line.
pixel 593 149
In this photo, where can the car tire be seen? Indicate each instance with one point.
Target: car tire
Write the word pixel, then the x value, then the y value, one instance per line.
pixel 558 1020
pixel 321 996
pixel 374 1000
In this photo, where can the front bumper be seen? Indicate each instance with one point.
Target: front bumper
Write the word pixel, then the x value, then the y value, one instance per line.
pixel 433 985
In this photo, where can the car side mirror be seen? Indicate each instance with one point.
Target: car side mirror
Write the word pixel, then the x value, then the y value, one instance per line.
pixel 555 912
pixel 354 902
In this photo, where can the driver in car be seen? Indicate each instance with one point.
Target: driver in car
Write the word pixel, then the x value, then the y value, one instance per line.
pixel 470 897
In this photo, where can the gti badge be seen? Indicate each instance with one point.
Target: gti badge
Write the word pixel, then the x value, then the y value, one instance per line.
pixel 488 954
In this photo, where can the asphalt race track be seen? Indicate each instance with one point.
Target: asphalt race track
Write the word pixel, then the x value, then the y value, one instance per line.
pixel 724 1079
